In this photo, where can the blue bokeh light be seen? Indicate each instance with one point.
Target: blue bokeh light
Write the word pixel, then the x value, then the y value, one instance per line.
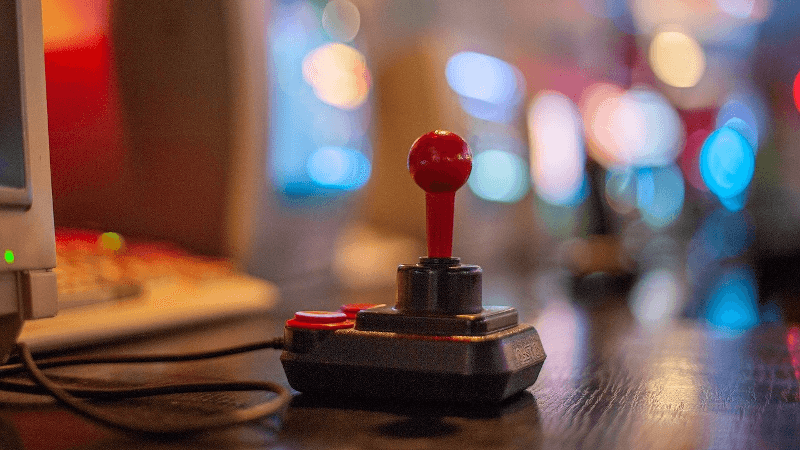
pixel 338 168
pixel 483 77
pixel 747 108
pixel 488 88
pixel 319 150
pixel 499 176
pixel 735 203
pixel 660 195
pixel 483 110
pixel 737 8
pixel 727 162
pixel 732 301
pixel 743 128
pixel 579 196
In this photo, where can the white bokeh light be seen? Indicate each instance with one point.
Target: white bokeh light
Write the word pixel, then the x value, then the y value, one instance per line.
pixel 556 142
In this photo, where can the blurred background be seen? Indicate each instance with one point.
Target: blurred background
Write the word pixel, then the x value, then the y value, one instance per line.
pixel 646 148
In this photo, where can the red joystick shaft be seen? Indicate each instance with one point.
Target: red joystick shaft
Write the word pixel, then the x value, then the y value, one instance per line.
pixel 440 162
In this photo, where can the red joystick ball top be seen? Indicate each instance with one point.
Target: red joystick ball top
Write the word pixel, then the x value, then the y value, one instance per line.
pixel 440 162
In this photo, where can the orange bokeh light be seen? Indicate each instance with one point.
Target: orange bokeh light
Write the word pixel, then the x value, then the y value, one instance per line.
pixel 73 23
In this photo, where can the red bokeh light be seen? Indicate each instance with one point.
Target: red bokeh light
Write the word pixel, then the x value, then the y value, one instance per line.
pixel 83 104
pixel 797 91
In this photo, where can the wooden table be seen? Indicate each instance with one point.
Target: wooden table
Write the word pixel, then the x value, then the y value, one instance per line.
pixel 609 381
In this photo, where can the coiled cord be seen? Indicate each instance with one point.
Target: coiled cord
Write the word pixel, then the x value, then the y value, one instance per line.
pixel 75 398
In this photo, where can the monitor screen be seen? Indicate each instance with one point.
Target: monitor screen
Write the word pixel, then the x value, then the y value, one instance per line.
pixel 12 152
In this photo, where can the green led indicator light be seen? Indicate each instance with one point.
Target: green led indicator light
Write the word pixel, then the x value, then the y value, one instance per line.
pixel 9 257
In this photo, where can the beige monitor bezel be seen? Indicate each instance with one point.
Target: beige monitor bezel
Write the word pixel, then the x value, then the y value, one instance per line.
pixel 26 216
pixel 26 226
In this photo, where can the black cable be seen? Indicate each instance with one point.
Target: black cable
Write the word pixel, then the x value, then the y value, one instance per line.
pixel 9 369
pixel 70 396
pixel 32 388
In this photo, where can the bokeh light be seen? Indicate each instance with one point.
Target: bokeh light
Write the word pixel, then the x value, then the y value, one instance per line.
pixel 741 9
pixel 731 304
pixel 73 24
pixel 111 241
pixel 499 176
pixel 754 10
pixel 749 108
pixel 339 168
pixel 557 153
pixel 502 113
pixel 660 195
pixel 598 104
pixel 292 30
pixel 332 127
pixel 341 20
pixel 656 297
pixel 628 125
pixel 735 203
pixel 638 127
pixel 796 90
pixel 482 77
pixel 741 127
pixel 339 75
pixel 488 88
pixel 661 140
pixel 677 59
pixel 318 132
pixel 727 163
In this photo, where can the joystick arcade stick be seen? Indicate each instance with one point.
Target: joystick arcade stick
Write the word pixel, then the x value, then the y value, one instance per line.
pixel 438 342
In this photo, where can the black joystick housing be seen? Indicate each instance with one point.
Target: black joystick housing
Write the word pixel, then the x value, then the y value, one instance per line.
pixel 438 342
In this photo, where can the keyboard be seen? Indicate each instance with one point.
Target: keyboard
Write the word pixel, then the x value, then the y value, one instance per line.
pixel 110 289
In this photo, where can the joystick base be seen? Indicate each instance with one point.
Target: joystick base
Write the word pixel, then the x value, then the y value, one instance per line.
pixel 379 364
pixel 488 320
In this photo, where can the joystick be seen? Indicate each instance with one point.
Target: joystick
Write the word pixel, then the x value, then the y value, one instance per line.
pixel 438 342
pixel 440 162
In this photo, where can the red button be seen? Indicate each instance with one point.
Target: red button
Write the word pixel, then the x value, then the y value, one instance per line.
pixel 320 316
pixel 320 320
pixel 351 309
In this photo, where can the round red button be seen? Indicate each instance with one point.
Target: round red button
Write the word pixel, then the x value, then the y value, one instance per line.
pixel 320 320
pixel 320 316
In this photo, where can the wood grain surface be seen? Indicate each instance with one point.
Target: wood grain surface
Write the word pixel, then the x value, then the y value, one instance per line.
pixel 609 382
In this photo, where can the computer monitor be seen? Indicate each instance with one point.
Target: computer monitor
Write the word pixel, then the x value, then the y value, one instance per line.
pixel 27 239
